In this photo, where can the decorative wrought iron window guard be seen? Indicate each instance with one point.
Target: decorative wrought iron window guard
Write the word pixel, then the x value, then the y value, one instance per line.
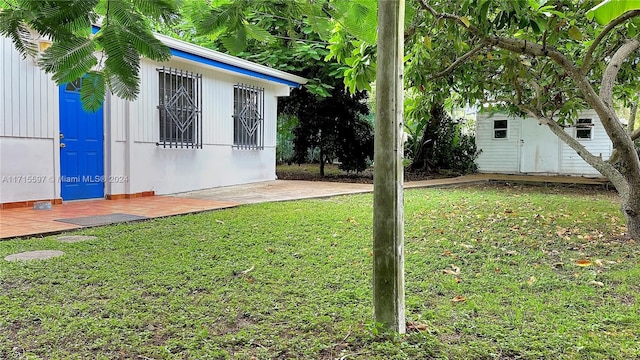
pixel 180 108
pixel 248 115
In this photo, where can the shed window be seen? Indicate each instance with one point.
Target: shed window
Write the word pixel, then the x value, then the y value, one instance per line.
pixel 584 129
pixel 180 108
pixel 499 129
pixel 248 117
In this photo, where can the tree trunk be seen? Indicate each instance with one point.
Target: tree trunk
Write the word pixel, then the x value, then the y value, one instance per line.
pixel 631 211
pixel 388 207
pixel 632 118
pixel 321 162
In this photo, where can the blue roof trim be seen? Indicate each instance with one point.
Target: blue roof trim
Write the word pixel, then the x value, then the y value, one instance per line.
pixel 237 69
pixel 203 60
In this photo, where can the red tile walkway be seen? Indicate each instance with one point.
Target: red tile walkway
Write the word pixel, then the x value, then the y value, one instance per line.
pixel 26 221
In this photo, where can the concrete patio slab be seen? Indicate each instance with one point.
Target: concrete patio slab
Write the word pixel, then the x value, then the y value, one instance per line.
pixel 277 190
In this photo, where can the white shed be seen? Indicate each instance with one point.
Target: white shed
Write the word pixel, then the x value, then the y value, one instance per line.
pixel 523 146
pixel 203 119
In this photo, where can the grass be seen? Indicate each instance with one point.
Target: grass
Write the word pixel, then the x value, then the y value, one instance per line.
pixel 293 281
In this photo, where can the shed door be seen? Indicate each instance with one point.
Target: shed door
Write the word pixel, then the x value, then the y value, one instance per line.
pixel 539 152
pixel 81 147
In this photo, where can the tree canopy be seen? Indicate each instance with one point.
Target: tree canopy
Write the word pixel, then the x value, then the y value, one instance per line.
pixel 537 57
pixel 99 40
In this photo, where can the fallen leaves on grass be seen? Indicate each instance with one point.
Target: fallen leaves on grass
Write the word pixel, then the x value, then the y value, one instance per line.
pixel 458 298
pixel 583 262
pixel 352 221
pixel 415 327
pixel 596 283
pixel 599 263
pixel 453 271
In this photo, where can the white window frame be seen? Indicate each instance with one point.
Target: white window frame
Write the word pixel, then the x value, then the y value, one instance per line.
pixel 586 127
pixel 505 129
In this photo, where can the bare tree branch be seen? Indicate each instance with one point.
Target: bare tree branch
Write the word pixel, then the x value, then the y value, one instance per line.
pixel 607 115
pixel 459 61
pixel 609 76
pixel 588 58
pixel 538 90
pixel 456 18
pixel 633 112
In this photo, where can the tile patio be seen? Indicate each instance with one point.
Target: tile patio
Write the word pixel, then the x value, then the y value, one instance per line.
pixel 24 222
pixel 28 222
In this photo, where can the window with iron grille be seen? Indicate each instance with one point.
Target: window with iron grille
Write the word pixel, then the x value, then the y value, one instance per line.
pixel 248 117
pixel 180 108
pixel 584 129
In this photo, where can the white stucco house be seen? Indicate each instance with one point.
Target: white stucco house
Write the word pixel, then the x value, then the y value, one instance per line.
pixel 513 145
pixel 203 119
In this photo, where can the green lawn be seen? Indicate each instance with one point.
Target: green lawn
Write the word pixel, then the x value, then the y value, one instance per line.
pixel 293 281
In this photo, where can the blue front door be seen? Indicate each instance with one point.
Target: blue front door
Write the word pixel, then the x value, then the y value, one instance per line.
pixel 81 147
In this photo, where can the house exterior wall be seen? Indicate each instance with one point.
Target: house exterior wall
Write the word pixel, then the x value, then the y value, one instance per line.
pixel 30 144
pixel 511 156
pixel 29 122
pixel 147 167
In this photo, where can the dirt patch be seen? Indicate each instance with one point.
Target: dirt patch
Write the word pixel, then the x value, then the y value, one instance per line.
pixel 75 238
pixel 311 172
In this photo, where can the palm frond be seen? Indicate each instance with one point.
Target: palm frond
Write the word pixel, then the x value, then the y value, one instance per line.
pixel 59 19
pixel 92 91
pixel 359 18
pixel 146 43
pixel 122 70
pixel 235 44
pixel 257 33
pixel 122 86
pixel 165 10
pixel 19 35
pixel 123 13
pixel 213 19
pixel 70 59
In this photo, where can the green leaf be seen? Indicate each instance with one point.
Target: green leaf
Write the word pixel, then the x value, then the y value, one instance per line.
pixel 235 44
pixel 165 10
pixel 257 33
pixel 92 91
pixel 575 34
pixel 69 60
pixel 611 9
pixel 534 4
pixel 359 18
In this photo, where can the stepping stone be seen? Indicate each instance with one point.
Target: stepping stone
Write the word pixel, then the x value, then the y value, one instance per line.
pixel 75 238
pixel 34 255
